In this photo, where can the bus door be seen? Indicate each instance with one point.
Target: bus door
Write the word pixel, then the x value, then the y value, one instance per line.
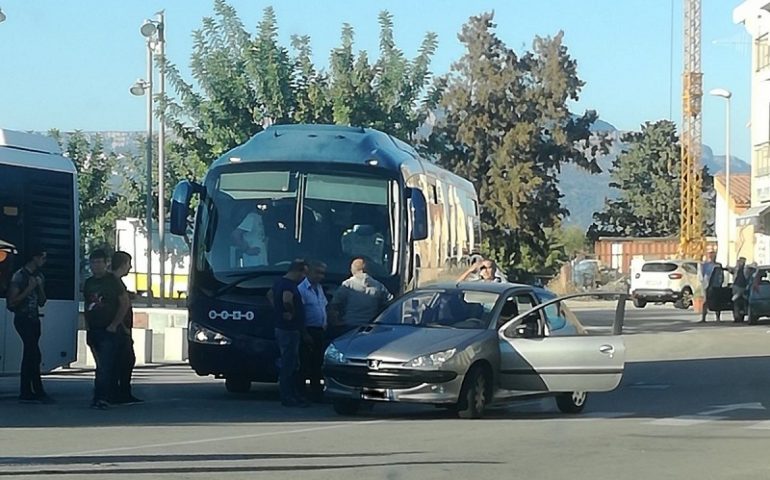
pixel 11 237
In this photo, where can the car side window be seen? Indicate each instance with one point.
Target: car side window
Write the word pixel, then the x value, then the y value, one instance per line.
pixel 690 268
pixel 533 324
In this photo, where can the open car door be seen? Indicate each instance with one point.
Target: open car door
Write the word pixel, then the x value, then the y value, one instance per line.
pixel 532 360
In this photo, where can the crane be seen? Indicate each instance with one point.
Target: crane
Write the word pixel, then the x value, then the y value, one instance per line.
pixel 691 238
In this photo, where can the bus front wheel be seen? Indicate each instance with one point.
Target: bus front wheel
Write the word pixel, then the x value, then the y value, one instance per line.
pixel 237 385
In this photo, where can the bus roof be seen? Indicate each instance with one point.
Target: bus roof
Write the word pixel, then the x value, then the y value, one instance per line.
pixel 32 150
pixel 338 144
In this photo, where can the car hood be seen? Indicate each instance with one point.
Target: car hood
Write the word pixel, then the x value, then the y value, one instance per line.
pixel 402 342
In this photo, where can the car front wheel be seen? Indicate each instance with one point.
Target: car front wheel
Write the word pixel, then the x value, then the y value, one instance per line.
pixel 474 394
pixel 573 402
pixel 346 407
pixel 639 303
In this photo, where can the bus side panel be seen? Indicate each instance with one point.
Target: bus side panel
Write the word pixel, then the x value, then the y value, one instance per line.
pixel 6 323
pixel 42 209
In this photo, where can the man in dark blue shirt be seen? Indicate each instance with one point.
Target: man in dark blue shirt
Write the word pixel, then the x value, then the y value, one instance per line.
pixel 289 327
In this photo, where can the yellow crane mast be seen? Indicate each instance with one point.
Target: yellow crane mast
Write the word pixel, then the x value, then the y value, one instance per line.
pixel 691 238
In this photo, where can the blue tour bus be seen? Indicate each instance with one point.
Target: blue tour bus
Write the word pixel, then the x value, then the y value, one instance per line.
pixel 322 192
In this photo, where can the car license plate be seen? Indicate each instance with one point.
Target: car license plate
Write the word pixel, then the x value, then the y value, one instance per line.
pixel 653 283
pixel 376 394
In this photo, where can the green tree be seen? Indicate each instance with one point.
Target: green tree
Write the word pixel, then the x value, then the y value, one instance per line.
pixel 97 199
pixel 647 177
pixel 506 127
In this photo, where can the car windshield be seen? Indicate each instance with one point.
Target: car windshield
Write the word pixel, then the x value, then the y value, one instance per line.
pixel 453 308
pixel 258 221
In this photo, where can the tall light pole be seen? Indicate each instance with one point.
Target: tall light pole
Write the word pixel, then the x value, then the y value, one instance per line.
pixel 153 31
pixel 726 94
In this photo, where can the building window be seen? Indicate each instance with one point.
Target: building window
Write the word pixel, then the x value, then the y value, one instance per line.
pixel 763 52
pixel 762 159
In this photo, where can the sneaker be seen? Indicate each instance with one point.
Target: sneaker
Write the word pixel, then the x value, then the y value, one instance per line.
pixel 100 405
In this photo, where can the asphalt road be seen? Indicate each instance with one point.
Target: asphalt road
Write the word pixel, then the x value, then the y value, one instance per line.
pixel 694 404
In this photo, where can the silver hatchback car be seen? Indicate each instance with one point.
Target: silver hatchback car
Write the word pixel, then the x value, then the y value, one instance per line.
pixel 469 345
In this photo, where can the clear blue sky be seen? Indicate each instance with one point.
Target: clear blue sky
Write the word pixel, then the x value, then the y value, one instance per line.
pixel 68 64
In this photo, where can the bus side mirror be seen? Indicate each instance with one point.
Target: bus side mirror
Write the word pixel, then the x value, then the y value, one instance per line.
pixel 419 215
pixel 180 206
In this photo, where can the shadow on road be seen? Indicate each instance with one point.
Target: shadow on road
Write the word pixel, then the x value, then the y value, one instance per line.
pixel 655 389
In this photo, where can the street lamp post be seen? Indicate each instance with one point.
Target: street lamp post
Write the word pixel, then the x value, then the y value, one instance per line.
pixel 153 31
pixel 726 94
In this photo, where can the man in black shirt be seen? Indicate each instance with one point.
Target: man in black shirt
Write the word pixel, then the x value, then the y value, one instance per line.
pixel 125 355
pixel 106 307
pixel 289 327
pixel 25 297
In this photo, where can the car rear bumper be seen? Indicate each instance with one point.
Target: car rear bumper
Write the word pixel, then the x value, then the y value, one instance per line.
pixel 656 295
pixel 393 385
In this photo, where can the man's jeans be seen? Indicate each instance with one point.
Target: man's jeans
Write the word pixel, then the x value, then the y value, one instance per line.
pixel 288 343
pixel 104 347
pixel 29 331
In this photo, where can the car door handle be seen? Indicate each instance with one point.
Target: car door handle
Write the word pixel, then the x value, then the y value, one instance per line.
pixel 607 349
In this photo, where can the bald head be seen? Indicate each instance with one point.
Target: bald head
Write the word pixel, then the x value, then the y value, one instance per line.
pixel 358 266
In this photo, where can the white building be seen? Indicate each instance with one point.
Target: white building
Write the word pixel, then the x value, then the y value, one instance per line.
pixel 755 222
pixel 727 214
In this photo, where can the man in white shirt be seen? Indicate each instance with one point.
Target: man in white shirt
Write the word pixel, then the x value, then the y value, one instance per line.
pixel 312 351
pixel 251 239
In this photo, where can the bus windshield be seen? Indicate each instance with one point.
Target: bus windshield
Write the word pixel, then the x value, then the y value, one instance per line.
pixel 257 221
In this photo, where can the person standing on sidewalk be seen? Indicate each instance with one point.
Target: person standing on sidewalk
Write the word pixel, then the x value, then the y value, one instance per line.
pixel 312 352
pixel 25 297
pixel 289 330
pixel 124 347
pixel 105 311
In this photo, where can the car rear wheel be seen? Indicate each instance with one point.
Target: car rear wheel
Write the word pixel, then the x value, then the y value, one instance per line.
pixel 237 385
pixel 639 303
pixel 753 319
pixel 474 395
pixel 573 402
pixel 346 407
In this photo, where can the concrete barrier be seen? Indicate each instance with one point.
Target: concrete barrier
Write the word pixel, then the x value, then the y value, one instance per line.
pixel 175 345
pixel 142 345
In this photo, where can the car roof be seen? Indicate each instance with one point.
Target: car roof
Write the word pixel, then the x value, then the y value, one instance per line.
pixel 491 287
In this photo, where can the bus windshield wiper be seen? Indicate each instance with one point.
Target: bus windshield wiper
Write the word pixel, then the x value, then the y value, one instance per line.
pixel 246 277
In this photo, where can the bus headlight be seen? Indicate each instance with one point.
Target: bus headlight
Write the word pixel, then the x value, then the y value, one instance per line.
pixel 200 334
pixel 333 355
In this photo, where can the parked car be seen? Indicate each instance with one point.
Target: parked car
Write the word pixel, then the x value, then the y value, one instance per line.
pixel 666 281
pixel 468 345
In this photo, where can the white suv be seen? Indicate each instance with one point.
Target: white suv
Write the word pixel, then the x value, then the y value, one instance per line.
pixel 663 281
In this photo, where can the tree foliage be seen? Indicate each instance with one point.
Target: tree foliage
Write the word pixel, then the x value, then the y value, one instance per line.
pixel 507 127
pixel 98 202
pixel 647 177
pixel 245 81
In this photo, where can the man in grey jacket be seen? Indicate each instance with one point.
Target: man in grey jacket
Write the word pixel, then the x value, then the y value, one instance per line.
pixel 358 300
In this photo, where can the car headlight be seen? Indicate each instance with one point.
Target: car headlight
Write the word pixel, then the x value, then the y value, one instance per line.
pixel 333 355
pixel 433 360
pixel 200 334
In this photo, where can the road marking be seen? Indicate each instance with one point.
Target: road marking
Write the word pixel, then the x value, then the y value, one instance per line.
pixel 650 386
pixel 716 409
pixel 213 439
pixel 760 426
pixel 684 421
